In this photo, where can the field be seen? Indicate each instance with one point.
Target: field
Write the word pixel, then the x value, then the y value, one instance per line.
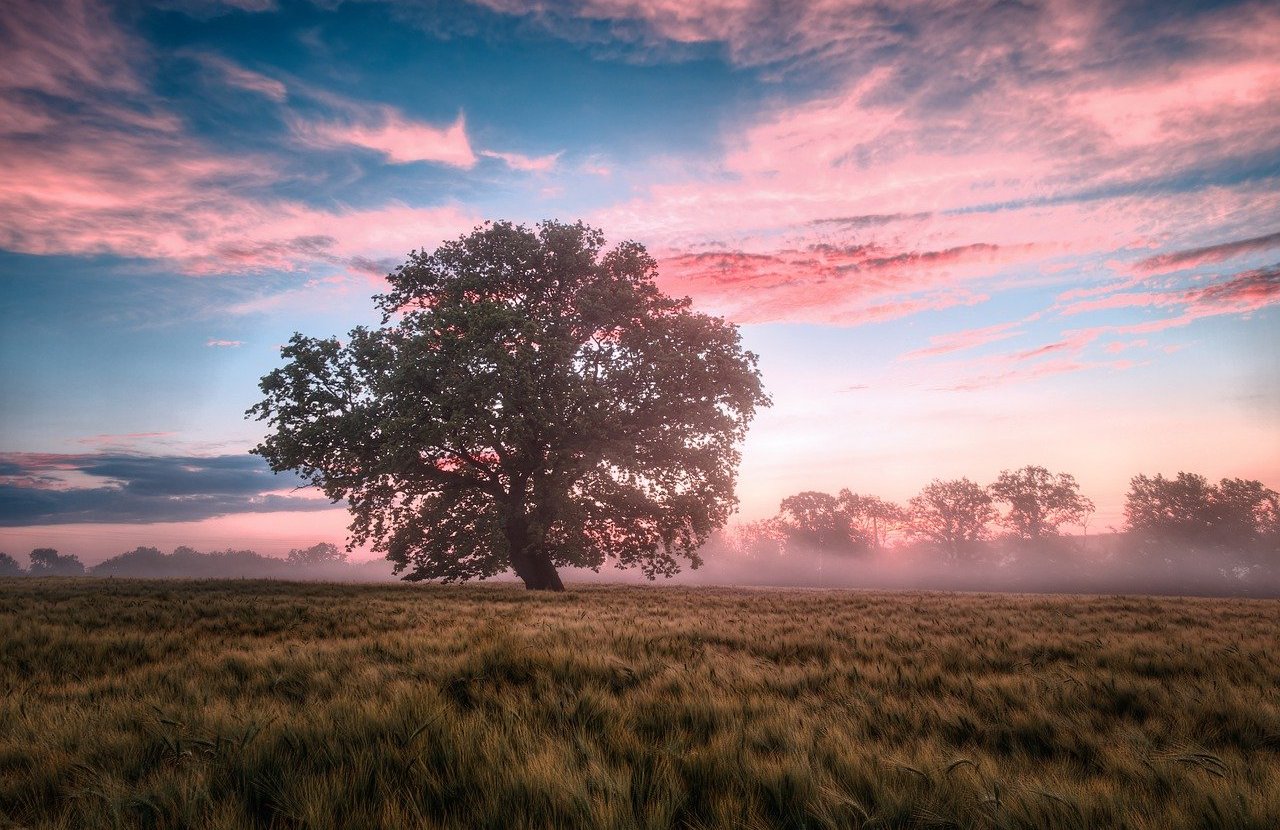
pixel 262 704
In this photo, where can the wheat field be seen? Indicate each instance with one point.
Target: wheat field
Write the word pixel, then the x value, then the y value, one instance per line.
pixel 277 705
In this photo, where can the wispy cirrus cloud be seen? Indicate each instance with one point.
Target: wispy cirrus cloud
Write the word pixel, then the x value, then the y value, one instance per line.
pixel 239 77
pixel 94 161
pixel 1238 293
pixel 1094 347
pixel 112 171
pixel 1024 374
pixel 962 340
pixel 523 163
pixel 1208 254
pixel 832 283
pixel 401 140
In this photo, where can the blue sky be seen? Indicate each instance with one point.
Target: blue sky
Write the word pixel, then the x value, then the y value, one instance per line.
pixel 962 237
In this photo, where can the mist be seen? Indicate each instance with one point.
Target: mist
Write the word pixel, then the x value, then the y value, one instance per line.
pixel 1096 564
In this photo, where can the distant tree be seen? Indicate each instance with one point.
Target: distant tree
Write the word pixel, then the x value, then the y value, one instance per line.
pixel 1238 514
pixel 1039 502
pixel 818 520
pixel 9 566
pixel 238 563
pixel 762 540
pixel 1247 515
pixel 323 553
pixel 536 403
pixel 48 562
pixel 872 518
pixel 139 562
pixel 953 515
pixel 1178 508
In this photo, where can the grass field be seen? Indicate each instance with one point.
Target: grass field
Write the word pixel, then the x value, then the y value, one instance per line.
pixel 259 704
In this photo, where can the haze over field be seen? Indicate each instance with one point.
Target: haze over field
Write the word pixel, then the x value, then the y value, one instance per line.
pixel 963 238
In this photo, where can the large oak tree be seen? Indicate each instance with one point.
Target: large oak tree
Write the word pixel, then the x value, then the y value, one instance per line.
pixel 529 402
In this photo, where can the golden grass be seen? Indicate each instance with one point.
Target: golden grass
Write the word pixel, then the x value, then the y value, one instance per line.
pixel 259 704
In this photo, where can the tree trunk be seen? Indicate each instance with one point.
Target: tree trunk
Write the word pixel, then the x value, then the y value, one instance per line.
pixel 529 561
pixel 546 577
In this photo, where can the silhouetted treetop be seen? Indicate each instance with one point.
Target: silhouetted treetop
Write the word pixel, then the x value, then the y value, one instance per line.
pixel 874 518
pixel 953 515
pixel 531 401
pixel 1039 502
pixel 48 562
pixel 1236 513
pixel 321 553
pixel 818 520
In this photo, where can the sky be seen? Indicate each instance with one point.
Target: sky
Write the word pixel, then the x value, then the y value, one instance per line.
pixel 963 237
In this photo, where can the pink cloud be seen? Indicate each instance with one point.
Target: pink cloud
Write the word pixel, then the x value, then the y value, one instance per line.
pixel 58 47
pixel 114 438
pixel 839 284
pixel 1020 375
pixel 1114 301
pixel 111 171
pixel 400 139
pixel 525 164
pixel 1013 161
pixel 1242 293
pixel 1208 100
pixel 1208 254
pixel 969 339
pixel 595 166
pixel 224 344
pixel 1239 293
pixel 241 78
pixel 1120 346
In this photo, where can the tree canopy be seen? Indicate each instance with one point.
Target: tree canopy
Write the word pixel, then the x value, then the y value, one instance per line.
pixel 872 517
pixel 952 515
pixel 1236 513
pixel 9 566
pixel 530 401
pixel 1039 502
pixel 321 553
pixel 48 562
pixel 818 520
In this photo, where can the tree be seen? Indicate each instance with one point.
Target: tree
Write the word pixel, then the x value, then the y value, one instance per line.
pixel 760 541
pixel 139 562
pixel 324 553
pixel 1247 514
pixel 530 402
pixel 952 515
pixel 873 518
pixel 48 562
pixel 9 566
pixel 1178 508
pixel 1039 502
pixel 1236 513
pixel 817 520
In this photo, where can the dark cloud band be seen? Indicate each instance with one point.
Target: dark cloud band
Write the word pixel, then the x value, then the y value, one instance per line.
pixel 39 488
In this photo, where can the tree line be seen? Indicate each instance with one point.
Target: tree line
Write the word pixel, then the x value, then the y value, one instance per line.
pixel 1180 533
pixel 1026 513
pixel 321 560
